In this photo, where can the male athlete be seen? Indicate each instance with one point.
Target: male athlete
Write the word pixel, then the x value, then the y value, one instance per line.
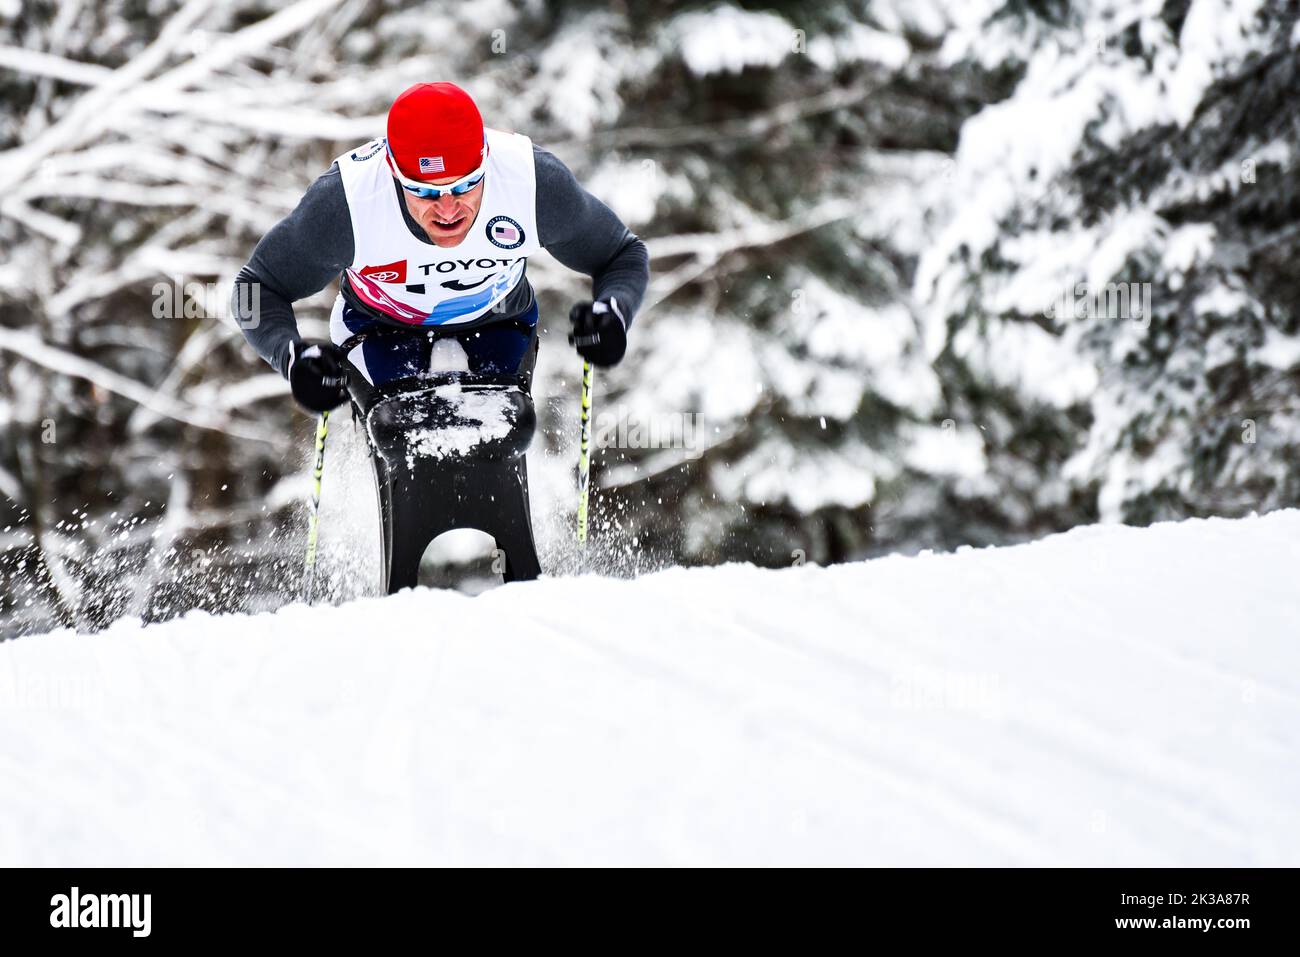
pixel 429 229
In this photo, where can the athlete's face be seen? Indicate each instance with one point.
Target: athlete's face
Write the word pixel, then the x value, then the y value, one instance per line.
pixel 447 219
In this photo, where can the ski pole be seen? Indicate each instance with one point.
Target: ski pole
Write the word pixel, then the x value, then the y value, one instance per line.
pixel 584 453
pixel 313 521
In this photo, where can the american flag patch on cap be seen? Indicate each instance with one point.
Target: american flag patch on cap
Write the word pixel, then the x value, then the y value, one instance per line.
pixel 432 164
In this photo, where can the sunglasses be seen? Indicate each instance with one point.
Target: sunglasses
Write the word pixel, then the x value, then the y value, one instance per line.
pixel 423 190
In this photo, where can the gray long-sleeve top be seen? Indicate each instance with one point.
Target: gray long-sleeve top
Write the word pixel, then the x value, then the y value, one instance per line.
pixel 306 251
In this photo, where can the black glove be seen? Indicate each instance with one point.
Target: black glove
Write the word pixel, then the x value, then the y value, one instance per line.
pixel 599 331
pixel 318 375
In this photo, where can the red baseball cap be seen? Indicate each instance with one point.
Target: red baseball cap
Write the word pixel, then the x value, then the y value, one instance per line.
pixel 435 131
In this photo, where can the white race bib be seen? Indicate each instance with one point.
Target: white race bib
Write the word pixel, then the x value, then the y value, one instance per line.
pixel 418 283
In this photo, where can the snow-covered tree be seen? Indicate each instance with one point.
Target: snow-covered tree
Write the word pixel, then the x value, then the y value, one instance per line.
pixel 1144 159
pixel 924 274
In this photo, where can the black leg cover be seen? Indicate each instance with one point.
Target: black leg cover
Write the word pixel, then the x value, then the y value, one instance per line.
pixel 448 451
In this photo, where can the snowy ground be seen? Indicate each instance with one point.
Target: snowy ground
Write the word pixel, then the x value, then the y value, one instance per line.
pixel 1108 696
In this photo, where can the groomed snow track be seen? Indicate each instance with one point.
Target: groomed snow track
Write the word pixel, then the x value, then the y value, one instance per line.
pixel 1111 696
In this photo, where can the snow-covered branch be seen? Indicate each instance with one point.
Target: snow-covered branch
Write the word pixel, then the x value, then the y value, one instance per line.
pixel 32 349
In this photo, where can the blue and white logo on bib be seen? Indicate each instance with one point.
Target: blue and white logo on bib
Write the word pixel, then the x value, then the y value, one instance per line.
pixel 505 232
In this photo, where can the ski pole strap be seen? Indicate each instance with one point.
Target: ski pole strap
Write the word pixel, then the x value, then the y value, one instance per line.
pixel 584 452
